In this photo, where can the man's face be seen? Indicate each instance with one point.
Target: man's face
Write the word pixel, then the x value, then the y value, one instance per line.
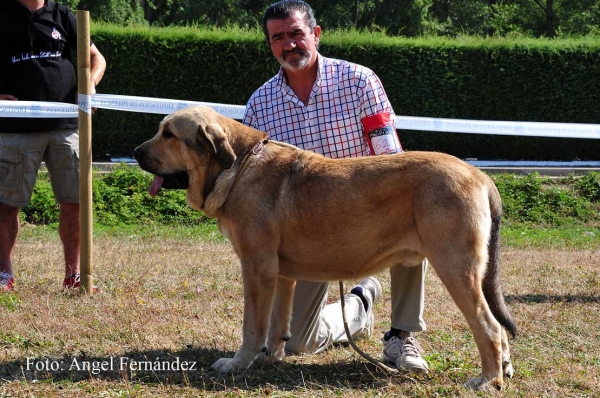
pixel 292 42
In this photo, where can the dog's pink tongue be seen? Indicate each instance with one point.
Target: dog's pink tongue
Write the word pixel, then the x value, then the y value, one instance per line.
pixel 155 186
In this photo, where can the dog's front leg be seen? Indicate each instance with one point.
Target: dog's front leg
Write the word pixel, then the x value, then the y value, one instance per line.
pixel 281 316
pixel 260 278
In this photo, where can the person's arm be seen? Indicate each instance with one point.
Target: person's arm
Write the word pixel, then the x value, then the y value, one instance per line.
pixel 98 66
pixel 378 119
pixel 97 61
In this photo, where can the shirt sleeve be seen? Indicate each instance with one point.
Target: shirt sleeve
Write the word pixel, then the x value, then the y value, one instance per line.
pixel 375 99
pixel 249 119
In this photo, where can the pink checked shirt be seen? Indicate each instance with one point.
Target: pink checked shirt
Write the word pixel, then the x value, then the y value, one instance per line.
pixel 330 124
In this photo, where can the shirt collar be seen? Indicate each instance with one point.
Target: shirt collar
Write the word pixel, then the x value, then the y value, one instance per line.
pixel 49 5
pixel 282 82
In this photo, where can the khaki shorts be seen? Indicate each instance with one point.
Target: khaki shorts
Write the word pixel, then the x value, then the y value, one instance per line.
pixel 21 156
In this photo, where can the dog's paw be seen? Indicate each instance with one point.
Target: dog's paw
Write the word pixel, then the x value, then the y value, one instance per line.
pixel 226 365
pixel 277 353
pixel 481 384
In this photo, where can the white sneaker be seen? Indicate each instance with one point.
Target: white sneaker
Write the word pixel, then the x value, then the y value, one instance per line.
pixel 404 353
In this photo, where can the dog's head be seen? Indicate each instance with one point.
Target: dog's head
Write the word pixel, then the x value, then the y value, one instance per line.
pixel 189 144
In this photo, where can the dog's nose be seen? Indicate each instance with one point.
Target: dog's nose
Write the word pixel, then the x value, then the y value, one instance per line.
pixel 137 152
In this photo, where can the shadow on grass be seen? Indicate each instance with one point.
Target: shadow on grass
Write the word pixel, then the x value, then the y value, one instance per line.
pixel 192 368
pixel 550 298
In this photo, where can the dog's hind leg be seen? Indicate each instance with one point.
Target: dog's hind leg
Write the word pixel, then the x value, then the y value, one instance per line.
pixel 281 316
pixel 462 277
pixel 259 274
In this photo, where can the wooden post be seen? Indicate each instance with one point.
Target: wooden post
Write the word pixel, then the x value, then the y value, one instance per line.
pixel 85 148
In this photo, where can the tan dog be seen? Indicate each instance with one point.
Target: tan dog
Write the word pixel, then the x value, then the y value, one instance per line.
pixel 292 214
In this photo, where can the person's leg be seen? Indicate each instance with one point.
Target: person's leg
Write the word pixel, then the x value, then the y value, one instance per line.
pixel 358 306
pixel 309 300
pixel 9 230
pixel 68 229
pixel 316 326
pixel 408 297
pixel 408 293
pixel 62 160
pixel 20 159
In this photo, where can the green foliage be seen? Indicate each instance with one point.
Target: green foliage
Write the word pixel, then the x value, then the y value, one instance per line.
pixel 8 301
pixel 406 17
pixel 120 12
pixel 120 198
pixel 43 208
pixel 409 18
pixel 589 186
pixel 547 201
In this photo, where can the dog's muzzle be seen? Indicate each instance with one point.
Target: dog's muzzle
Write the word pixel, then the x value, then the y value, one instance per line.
pixel 178 180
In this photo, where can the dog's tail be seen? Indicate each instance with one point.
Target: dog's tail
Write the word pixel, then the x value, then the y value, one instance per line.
pixel 492 289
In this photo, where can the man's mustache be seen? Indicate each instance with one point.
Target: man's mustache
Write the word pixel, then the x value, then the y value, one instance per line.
pixel 289 52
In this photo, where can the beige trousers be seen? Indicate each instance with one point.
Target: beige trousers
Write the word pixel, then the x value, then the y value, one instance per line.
pixel 317 325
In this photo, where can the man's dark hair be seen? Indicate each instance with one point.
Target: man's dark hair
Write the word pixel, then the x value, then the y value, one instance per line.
pixel 284 9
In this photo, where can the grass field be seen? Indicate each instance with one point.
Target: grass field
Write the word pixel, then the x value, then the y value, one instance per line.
pixel 170 298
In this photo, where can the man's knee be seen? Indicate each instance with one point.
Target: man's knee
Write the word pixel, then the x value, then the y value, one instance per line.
pixel 303 345
pixel 69 207
pixel 295 346
pixel 8 213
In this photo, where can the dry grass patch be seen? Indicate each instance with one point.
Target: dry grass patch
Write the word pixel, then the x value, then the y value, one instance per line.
pixel 176 301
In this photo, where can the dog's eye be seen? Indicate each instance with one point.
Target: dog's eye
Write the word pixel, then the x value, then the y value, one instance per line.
pixel 167 134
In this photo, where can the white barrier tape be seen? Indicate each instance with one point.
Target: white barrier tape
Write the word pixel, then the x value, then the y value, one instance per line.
pixel 166 106
pixel 534 129
pixel 32 109
pixel 160 105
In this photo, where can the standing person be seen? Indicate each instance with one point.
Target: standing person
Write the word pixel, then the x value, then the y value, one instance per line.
pixel 323 105
pixel 36 65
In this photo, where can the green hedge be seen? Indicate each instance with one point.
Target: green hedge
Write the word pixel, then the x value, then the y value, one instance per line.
pixel 119 198
pixel 468 78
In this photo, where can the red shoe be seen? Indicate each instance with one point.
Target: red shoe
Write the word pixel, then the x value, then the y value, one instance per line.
pixel 74 282
pixel 7 282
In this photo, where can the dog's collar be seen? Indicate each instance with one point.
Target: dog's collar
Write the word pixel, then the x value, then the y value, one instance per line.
pixel 254 151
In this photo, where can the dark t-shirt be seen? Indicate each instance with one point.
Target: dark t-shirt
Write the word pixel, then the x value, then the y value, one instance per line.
pixel 36 61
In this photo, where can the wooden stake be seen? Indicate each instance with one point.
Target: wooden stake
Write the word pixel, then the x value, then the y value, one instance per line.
pixel 85 148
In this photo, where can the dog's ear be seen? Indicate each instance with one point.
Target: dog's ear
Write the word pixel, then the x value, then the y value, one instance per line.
pixel 217 137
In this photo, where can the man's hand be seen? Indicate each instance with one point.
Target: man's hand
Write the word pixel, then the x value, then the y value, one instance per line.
pixel 8 97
